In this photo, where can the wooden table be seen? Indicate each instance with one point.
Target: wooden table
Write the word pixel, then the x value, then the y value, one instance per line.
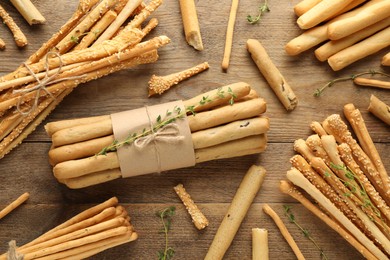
pixel 211 184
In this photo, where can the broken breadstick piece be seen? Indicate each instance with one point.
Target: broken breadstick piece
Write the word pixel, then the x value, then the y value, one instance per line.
pixel 260 244
pixel 160 84
pixel 379 109
pixel 386 60
pixel 199 220
pixel 29 12
pixel 191 24
pixel 16 203
pixel 19 37
pixel 271 73
pixel 229 34
pixel 283 229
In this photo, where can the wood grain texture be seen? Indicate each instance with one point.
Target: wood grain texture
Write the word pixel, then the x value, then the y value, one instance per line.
pixel 212 185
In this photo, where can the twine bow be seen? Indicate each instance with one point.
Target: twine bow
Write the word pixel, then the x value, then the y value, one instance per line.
pixel 42 83
pixel 12 254
pixel 168 133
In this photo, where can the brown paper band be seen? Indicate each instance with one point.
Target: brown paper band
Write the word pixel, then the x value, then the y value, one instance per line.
pixel 168 148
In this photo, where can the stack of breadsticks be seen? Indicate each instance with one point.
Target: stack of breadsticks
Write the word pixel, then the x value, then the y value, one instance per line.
pixel 96 41
pixel 348 180
pixel 90 232
pixel 223 123
pixel 348 30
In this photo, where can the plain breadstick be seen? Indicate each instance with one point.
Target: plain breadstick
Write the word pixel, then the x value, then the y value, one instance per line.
pixel 307 40
pixel 379 109
pixel 93 179
pixel 22 198
pixel 29 12
pixel 247 191
pixel 367 16
pixel 386 60
pixel 304 6
pixel 191 24
pixel 53 127
pixel 370 82
pixel 284 231
pixel 332 47
pixel 226 114
pixel 289 189
pixel 298 179
pixel 321 12
pixel 229 35
pixel 260 244
pixel 360 50
pixel 271 73
pixel 232 131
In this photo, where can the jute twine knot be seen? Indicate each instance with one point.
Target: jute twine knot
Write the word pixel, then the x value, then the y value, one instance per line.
pixel 12 253
pixel 42 83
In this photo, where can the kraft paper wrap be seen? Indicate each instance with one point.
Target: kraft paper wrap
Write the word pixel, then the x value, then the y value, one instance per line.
pixel 167 151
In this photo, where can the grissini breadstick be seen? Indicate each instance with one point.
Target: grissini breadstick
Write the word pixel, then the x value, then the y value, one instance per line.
pixel 93 179
pixel 2 44
pixel 386 60
pixel 260 244
pixel 271 73
pixel 19 36
pixel 191 24
pixel 379 109
pixel 361 81
pixel 317 128
pixel 307 40
pixel 229 35
pixel 360 50
pixel 198 218
pixel 13 205
pixel 29 12
pixel 368 15
pixel 284 231
pixel 320 12
pixel 356 120
pixel 289 189
pixel 304 6
pixel 246 192
pixel 332 47
pixel 298 179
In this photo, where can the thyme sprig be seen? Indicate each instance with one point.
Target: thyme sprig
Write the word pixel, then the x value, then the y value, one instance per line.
pixel 319 91
pixel 291 218
pixel 263 8
pixel 170 117
pixel 166 219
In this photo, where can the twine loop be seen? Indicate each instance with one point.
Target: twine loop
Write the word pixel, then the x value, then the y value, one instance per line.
pixel 12 253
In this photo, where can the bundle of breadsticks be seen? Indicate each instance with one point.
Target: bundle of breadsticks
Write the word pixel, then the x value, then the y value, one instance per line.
pixel 96 41
pixel 222 123
pixel 348 30
pixel 92 231
pixel 348 180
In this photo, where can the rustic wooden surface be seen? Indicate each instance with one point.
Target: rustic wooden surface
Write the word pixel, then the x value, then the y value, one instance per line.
pixel 211 184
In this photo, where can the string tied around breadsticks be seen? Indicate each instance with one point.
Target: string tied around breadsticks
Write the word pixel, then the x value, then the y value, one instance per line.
pixel 42 83
pixel 12 253
pixel 168 133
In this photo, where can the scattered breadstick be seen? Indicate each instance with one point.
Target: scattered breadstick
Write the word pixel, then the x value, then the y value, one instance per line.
pixel 386 60
pixel 320 12
pixel 379 109
pixel 19 37
pixel 271 73
pixel 298 179
pixel 29 12
pixel 284 231
pixel 16 203
pixel 191 24
pixel 229 35
pixel 199 220
pixel 260 244
pixel 2 44
pixel 361 81
pixel 368 15
pixel 289 189
pixel 360 50
pixel 247 191
pixel 304 6
pixel 160 84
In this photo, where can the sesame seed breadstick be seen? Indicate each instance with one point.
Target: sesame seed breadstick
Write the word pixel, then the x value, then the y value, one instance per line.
pixel 379 109
pixel 19 37
pixel 191 24
pixel 317 128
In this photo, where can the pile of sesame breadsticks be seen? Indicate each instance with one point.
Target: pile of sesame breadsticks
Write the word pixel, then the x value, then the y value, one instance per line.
pixel 90 232
pixel 223 123
pixel 348 180
pixel 96 41
pixel 348 30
